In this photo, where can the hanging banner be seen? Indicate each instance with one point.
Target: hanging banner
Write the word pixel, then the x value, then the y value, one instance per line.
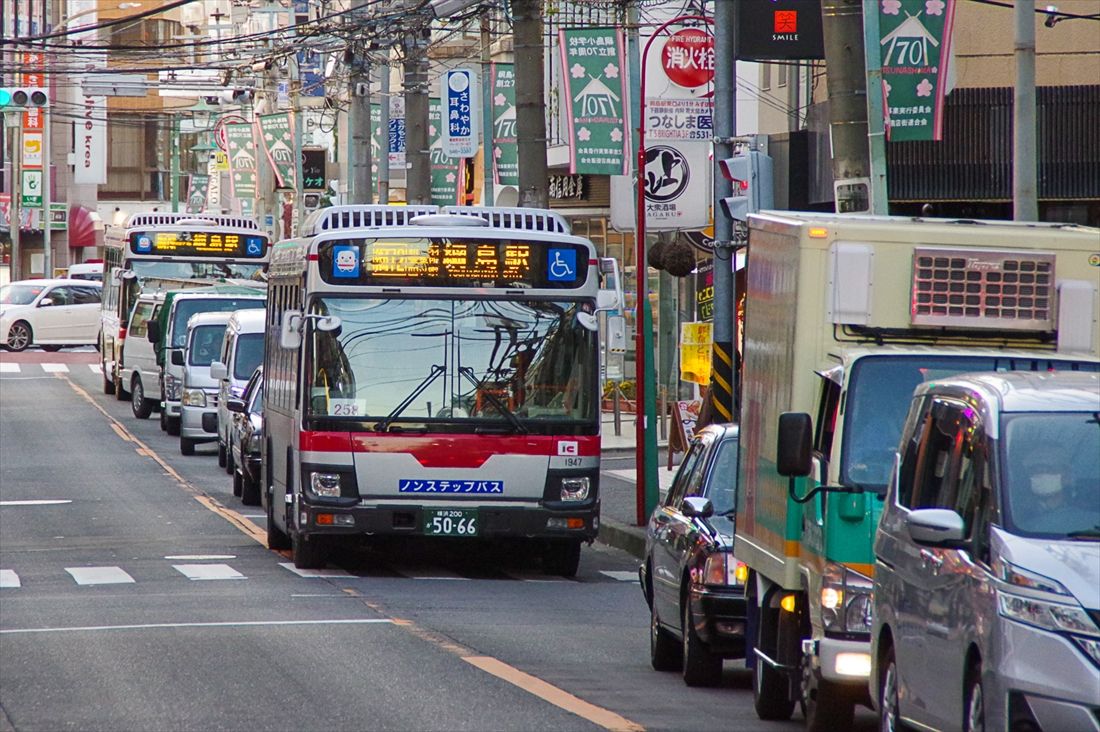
pixel 916 48
pixel 242 166
pixel 596 100
pixel 196 192
pixel 458 90
pixel 505 147
pixel 397 137
pixel 277 136
pixel 445 170
pixel 377 145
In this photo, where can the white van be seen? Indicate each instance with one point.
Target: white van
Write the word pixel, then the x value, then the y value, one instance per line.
pixel 139 374
pixel 199 395
pixel 242 352
pixel 86 271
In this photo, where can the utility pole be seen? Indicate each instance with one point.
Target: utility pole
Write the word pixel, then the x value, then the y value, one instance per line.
pixel 359 130
pixel 486 112
pixel 1025 205
pixel 418 161
pixel 384 154
pixel 530 104
pixel 842 25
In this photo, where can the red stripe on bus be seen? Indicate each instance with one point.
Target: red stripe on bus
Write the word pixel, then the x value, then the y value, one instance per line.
pixel 451 451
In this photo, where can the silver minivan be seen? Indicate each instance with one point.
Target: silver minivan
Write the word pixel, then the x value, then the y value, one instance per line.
pixel 242 352
pixel 199 395
pixel 987 557
pixel 139 373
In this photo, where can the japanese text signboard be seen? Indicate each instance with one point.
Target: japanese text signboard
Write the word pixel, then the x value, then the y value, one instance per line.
pixel 688 57
pixel 505 150
pixel 458 90
pixel 445 170
pixel 277 135
pixel 242 166
pixel 915 45
pixel 377 145
pixel 596 100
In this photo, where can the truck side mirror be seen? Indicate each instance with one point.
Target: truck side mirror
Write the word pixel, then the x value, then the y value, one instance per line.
pixel 152 331
pixel 794 453
pixel 218 371
pixel 176 357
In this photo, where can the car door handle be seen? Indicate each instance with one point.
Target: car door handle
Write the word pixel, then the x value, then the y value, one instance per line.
pixel 929 560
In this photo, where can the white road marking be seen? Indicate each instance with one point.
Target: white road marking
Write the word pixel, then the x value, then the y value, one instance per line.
pixel 620 575
pixel 226 624
pixel 96 368
pixel 8 578
pixel 208 571
pixel 99 575
pixel 199 557
pixel 37 502
pixel 253 515
pixel 9 368
pixel 55 368
pixel 314 572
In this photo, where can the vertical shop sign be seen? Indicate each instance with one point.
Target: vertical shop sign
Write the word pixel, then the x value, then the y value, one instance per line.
pixel 445 170
pixel 505 149
pixel 596 100
pixel 458 90
pixel 377 145
pixel 916 49
pixel 277 137
pixel 242 166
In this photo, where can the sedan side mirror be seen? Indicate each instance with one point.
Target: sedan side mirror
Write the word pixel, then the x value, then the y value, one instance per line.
pixel 235 405
pixel 45 302
pixel 697 507
pixel 176 357
pixel 936 527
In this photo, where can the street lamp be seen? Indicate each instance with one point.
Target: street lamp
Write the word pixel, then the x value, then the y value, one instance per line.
pixel 202 115
pixel 202 152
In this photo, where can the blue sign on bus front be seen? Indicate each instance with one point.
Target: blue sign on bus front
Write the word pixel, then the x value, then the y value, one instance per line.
pixel 407 485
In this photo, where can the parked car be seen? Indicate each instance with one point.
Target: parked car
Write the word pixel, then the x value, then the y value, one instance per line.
pixel 139 374
pixel 199 395
pixel 986 611
pixel 246 436
pixel 86 271
pixel 242 352
pixel 50 313
pixel 694 587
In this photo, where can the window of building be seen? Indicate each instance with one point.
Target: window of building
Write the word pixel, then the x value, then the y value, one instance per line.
pixel 765 77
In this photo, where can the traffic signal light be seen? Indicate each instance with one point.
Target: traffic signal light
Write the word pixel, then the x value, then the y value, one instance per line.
pixel 751 176
pixel 17 97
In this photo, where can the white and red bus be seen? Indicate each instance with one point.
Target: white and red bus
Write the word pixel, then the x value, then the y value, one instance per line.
pixel 161 249
pixel 436 373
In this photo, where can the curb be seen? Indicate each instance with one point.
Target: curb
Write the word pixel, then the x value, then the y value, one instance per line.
pixel 631 539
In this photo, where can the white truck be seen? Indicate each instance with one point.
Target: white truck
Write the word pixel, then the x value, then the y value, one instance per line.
pixel 845 315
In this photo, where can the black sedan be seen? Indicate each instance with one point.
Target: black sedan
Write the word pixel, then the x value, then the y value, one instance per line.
pixel 694 586
pixel 246 437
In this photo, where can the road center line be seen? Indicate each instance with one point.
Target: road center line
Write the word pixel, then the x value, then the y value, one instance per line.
pixel 222 624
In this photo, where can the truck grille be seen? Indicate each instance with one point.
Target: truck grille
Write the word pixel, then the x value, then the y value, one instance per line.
pixel 983 289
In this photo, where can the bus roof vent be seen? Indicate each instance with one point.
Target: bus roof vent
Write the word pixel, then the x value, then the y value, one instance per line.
pixel 167 218
pixel 362 216
pixel 982 288
pixel 527 219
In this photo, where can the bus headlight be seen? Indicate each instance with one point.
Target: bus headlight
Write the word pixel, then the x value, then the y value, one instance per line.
pixel 194 398
pixel 325 484
pixel 574 489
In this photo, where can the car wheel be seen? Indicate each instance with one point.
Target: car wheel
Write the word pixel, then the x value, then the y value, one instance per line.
pixel 230 463
pixel 562 558
pixel 163 421
pixel 221 454
pixel 173 425
pixel 250 489
pixel 826 706
pixel 974 700
pixel 889 714
pixel 276 539
pixel 701 667
pixel 51 348
pixel 237 484
pixel 187 446
pixel 120 393
pixel 108 385
pixel 664 651
pixel 307 553
pixel 20 336
pixel 139 405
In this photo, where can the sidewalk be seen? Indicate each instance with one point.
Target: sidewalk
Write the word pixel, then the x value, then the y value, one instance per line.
pixel 618 497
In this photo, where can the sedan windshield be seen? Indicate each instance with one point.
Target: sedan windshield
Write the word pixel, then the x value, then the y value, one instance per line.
pixel 1052 474
pixel 19 294
pixel 502 364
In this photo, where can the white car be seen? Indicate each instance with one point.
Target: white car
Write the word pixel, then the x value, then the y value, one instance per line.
pixel 49 313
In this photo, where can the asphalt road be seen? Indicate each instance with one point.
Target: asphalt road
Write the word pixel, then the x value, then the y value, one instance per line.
pixel 135 594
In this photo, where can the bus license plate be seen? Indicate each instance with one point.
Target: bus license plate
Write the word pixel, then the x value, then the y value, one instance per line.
pixel 450 521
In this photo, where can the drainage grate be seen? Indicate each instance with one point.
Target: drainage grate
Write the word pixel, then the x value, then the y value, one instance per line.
pixel 983 289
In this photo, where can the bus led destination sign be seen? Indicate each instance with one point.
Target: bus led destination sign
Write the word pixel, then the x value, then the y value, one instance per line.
pixel 453 263
pixel 198 244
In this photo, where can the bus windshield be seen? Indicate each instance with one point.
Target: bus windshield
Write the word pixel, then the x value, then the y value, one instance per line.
pixel 502 364
pixel 880 391
pixel 169 270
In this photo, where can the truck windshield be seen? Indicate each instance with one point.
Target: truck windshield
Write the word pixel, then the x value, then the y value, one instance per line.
pixel 206 341
pixel 1051 474
pixel 186 307
pixel 880 390
pixel 495 364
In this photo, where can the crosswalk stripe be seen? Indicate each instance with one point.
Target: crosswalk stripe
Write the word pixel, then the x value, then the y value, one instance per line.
pixel 55 368
pixel 314 572
pixel 619 575
pixel 208 571
pixel 99 575
pixel 9 368
pixel 8 578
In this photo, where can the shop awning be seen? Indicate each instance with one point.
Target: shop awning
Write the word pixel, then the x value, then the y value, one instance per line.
pixel 82 223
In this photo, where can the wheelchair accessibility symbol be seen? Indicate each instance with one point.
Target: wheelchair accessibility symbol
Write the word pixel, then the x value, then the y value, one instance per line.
pixel 561 265
pixel 254 247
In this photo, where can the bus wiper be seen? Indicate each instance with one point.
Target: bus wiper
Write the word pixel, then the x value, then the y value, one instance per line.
pixel 384 425
pixel 508 414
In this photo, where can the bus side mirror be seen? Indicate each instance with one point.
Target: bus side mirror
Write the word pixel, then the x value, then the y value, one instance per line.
pixel 794 453
pixel 290 332
pixel 615 335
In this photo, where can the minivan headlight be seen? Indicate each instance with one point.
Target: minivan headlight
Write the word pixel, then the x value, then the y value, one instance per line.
pixel 194 398
pixel 1020 577
pixel 1052 616
pixel 846 600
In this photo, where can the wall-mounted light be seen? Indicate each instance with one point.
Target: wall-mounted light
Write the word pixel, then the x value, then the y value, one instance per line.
pixel 1052 16
pixel 119 218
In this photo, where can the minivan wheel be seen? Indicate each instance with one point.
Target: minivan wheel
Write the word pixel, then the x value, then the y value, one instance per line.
pixel 974 709
pixel 664 651
pixel 139 405
pixel 701 667
pixel 187 446
pixel 20 336
pixel 221 455
pixel 889 716
pixel 173 425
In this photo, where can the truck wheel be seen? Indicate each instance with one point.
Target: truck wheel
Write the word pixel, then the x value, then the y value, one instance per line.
pixel 769 693
pixel 187 446
pixel 701 667
pixel 826 706
pixel 250 489
pixel 562 558
pixel 276 539
pixel 307 554
pixel 139 405
pixel 664 651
